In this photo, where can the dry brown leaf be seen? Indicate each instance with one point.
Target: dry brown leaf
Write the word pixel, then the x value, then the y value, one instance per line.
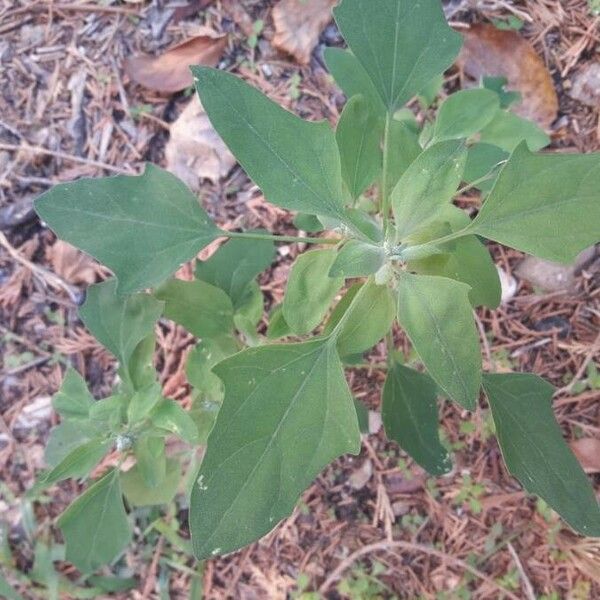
pixel 489 51
pixel 298 24
pixel 170 71
pixel 72 265
pixel 195 151
pixel 587 451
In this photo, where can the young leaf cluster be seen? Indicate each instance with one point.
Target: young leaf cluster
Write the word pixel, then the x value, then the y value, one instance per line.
pixel 273 405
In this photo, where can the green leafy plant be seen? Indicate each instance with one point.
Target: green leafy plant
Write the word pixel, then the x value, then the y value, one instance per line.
pixel 273 406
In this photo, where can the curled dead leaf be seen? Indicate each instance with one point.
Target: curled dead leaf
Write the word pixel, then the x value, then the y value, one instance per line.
pixel 587 451
pixel 195 151
pixel 298 24
pixel 170 71
pixel 492 52
pixel 72 265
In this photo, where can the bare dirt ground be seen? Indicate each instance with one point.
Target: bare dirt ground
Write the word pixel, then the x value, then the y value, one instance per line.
pixel 374 526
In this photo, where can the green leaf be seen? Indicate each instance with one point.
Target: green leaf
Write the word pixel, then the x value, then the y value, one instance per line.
pixel 277 327
pixel 308 223
pixel 404 148
pixel 465 113
pixel 235 264
pixel 410 417
pixel 310 290
pixel 169 415
pixel 138 493
pixel 498 85
pixel 483 159
pixel 78 463
pixel 468 260
pixel 507 131
pixel 368 314
pixel 357 259
pixel 431 91
pixel 142 402
pixel 402 44
pixel 544 204
pixel 535 451
pixel 66 437
pixel 203 309
pixel 104 217
pixel 358 137
pixel 427 186
pixel 110 412
pixel 140 368
pixel 294 162
pixel 151 459
pixel 352 78
pixel 95 526
pixel 302 416
pixel 251 306
pixel 73 400
pixel 364 224
pixel 436 314
pixel 119 323
pixel 362 415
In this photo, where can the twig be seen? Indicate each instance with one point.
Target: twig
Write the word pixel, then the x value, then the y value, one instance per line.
pixel 529 591
pixel 151 574
pixel 34 363
pixel 584 365
pixel 485 341
pixel 47 276
pixel 401 545
pixel 65 156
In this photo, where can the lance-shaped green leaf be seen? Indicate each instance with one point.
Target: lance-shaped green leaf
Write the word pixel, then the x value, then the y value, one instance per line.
pixel 467 260
pixel 535 451
pixel 507 131
pixel 401 44
pixel 410 417
pixel 544 204
pixel 138 492
pixel 427 186
pixel 169 415
pixel 95 526
pixel 357 259
pixel 367 311
pixel 352 78
pixel 310 290
pixel 436 314
pixel 465 113
pixel 287 413
pixel 277 327
pixel 358 137
pixel 203 309
pixel 78 463
pixel 294 162
pixel 142 227
pixel 235 264
pixel 403 149
pixel 484 159
pixel 119 323
pixel 73 400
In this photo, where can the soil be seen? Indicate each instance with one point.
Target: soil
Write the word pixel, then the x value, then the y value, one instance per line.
pixel 372 526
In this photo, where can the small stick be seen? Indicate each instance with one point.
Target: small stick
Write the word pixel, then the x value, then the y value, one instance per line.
pixel 66 156
pixel 529 591
pixel 401 545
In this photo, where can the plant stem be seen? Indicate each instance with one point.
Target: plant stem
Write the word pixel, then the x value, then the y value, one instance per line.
pixel 383 192
pixel 489 175
pixel 279 238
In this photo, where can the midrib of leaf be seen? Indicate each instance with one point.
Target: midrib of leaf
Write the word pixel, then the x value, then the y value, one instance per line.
pixel 395 63
pixel 102 514
pixel 358 159
pixel 270 443
pixel 456 370
pixel 250 126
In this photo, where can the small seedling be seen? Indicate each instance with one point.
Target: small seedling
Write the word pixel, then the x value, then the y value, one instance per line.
pixel 276 413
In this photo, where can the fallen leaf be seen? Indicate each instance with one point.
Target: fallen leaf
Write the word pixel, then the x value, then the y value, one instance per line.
pixel 72 265
pixel 298 24
pixel 170 71
pixel 587 451
pixel 195 151
pixel 586 85
pixel 492 52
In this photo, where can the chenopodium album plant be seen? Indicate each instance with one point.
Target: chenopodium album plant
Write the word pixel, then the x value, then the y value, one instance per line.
pixel 276 408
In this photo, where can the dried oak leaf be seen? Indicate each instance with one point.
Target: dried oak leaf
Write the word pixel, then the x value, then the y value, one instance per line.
pixel 298 24
pixel 194 150
pixel 492 52
pixel 587 451
pixel 170 71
